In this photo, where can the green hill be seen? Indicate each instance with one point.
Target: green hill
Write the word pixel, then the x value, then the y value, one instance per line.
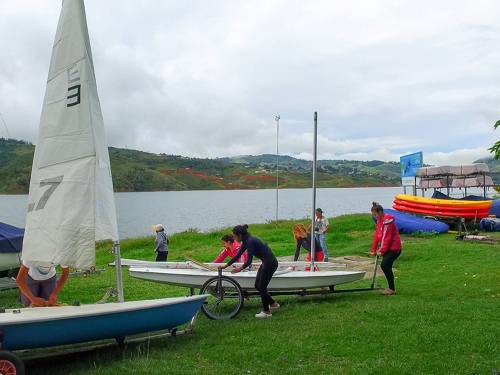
pixel 15 165
pixel 494 166
pixel 142 171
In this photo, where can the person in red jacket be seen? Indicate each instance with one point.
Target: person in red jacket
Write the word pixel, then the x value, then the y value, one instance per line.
pixel 231 248
pixel 387 243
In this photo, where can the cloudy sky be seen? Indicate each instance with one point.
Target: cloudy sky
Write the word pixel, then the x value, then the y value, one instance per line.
pixel 204 78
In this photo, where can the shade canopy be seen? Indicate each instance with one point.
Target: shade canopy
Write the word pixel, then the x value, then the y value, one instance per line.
pixel 454 170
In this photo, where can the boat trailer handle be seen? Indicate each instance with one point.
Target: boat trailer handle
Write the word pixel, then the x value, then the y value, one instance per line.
pixel 375 272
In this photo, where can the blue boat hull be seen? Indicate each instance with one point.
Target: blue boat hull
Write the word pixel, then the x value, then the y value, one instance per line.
pixel 408 223
pixel 495 208
pixel 97 327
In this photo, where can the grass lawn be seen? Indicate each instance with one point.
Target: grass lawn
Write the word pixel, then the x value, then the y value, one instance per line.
pixel 444 320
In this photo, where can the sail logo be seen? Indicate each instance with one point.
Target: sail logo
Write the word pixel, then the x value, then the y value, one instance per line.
pixel 74 87
pixel 51 184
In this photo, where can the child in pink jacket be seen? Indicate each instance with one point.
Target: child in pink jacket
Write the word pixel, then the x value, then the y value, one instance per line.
pixel 231 248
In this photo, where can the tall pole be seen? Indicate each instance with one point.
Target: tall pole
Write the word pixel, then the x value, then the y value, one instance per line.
pixel 118 268
pixel 484 185
pixel 313 220
pixel 5 125
pixel 277 119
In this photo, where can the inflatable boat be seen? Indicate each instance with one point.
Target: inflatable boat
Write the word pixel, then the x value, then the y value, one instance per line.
pixel 408 223
pixel 443 207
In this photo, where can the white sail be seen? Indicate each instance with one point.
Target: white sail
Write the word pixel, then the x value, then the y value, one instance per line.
pixel 71 203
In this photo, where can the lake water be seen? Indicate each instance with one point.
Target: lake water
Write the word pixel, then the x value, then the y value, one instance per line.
pixel 207 210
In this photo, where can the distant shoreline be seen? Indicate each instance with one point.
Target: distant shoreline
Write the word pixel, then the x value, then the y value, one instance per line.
pixel 249 189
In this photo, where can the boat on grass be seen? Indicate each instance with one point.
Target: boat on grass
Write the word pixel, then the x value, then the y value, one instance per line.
pixel 282 280
pixel 40 327
pixel 409 223
pixel 11 244
pixel 295 265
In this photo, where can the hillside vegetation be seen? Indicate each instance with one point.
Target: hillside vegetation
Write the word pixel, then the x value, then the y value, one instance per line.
pixel 494 166
pixel 142 171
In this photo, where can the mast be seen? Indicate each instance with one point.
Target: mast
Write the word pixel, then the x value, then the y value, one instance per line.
pixel 118 268
pixel 277 119
pixel 313 220
pixel 71 201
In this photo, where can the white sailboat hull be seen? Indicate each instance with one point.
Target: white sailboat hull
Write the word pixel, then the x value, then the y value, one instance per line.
pixel 282 280
pixel 298 265
pixel 9 261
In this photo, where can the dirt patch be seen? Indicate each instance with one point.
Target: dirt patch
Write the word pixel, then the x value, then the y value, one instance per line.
pixel 166 172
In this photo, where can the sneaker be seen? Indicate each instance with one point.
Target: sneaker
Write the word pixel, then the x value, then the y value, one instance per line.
pixel 275 306
pixel 389 292
pixel 263 314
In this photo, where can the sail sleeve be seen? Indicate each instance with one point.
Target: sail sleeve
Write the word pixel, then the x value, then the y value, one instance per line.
pixel 71 203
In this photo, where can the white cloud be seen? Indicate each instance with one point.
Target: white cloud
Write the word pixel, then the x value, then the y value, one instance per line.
pixel 462 156
pixel 204 79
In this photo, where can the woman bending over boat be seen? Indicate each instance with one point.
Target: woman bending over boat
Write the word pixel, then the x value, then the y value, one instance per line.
pixel 39 285
pixel 231 248
pixel 256 247
pixel 387 243
pixel 303 239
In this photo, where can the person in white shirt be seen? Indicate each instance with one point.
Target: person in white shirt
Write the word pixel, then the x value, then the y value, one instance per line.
pixel 321 227
pixel 39 285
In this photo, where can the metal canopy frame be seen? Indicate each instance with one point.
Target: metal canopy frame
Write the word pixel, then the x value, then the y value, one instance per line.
pixel 449 177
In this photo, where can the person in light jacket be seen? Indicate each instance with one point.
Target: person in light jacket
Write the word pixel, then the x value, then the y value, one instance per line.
pixel 161 243
pixel 321 228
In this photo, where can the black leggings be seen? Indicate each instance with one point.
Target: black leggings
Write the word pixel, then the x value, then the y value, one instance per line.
pixel 262 280
pixel 387 260
pixel 161 256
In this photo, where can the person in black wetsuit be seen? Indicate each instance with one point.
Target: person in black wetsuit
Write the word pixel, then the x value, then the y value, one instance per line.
pixel 256 247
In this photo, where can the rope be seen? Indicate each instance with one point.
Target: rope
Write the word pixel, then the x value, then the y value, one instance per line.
pixel 110 293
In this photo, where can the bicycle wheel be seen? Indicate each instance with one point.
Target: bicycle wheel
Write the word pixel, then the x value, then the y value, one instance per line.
pixel 10 364
pixel 225 298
